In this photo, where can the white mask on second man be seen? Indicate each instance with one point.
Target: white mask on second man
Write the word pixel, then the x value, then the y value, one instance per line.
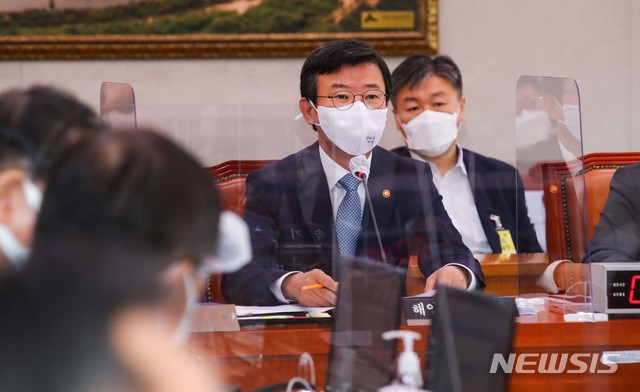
pixel 431 133
pixel 356 130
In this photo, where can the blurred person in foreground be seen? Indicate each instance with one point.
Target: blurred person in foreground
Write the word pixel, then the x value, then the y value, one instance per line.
pixel 36 123
pixel 483 196
pixel 128 225
pixel 308 210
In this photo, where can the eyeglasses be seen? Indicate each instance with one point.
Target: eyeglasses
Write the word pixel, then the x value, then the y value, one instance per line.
pixel 343 100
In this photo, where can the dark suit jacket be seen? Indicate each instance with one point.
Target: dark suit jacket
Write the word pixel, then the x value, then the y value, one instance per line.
pixel 616 237
pixel 497 189
pixel 292 227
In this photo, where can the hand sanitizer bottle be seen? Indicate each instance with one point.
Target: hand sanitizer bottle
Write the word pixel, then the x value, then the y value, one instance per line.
pixel 408 375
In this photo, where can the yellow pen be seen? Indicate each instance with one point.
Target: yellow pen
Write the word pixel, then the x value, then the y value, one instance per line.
pixel 313 286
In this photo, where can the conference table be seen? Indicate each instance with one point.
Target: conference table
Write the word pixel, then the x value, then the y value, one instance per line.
pixel 258 355
pixel 505 274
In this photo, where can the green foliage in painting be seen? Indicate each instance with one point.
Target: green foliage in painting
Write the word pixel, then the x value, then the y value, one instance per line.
pixel 190 17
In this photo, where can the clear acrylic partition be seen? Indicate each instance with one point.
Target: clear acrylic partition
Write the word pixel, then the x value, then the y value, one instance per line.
pixel 549 159
pixel 219 133
pixel 216 134
pixel 548 142
pixel 118 105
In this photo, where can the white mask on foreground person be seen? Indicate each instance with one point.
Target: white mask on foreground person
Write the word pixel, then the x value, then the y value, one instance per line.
pixel 234 251
pixel 234 246
pixel 10 245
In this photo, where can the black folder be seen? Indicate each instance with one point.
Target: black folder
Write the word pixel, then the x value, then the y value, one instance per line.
pixel 468 329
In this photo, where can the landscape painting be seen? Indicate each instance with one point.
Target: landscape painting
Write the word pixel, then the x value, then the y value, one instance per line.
pixel 74 29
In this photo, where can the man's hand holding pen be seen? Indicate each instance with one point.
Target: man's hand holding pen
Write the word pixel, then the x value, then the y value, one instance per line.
pixel 303 288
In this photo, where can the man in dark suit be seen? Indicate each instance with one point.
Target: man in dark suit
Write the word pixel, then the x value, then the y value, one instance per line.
pixel 484 196
pixel 305 211
pixel 616 237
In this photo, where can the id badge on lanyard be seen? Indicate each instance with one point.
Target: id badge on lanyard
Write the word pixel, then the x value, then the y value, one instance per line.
pixel 507 246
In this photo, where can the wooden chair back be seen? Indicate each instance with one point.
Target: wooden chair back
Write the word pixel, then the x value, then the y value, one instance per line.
pixel 573 202
pixel 230 179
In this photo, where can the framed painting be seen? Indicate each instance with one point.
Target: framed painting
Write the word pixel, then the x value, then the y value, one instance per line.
pixel 147 29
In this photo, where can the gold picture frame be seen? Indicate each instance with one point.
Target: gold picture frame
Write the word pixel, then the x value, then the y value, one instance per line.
pixel 423 37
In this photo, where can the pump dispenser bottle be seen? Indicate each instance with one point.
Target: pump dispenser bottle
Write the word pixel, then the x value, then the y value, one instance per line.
pixel 408 375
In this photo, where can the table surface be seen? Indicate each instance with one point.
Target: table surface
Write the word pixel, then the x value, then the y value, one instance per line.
pixel 261 355
pixel 512 274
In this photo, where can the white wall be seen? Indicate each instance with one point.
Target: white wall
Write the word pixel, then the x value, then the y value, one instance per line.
pixel 495 42
pixel 201 102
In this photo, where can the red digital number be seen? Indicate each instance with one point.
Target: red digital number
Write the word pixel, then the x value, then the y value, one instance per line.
pixel 633 286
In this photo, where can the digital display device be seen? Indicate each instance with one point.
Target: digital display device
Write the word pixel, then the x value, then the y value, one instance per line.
pixel 616 287
pixel 624 289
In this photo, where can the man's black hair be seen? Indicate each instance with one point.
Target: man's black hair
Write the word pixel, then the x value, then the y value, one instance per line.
pixel 332 56
pixel 416 68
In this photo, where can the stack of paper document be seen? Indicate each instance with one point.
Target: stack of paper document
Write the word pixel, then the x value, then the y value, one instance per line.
pixel 529 306
pixel 281 312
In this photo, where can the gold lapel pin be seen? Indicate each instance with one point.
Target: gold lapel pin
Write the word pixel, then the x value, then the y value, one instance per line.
pixel 386 193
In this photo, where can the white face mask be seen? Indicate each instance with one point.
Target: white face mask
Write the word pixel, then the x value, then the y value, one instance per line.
pixel 532 126
pixel 11 247
pixel 572 119
pixel 234 246
pixel 355 131
pixel 181 334
pixel 431 133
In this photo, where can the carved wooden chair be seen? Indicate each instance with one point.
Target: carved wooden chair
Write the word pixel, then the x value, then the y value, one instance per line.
pixel 573 202
pixel 230 178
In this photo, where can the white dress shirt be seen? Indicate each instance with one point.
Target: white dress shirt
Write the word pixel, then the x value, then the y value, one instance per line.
pixel 458 200
pixel 334 173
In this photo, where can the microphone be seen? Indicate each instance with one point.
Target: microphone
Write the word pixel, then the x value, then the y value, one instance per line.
pixel 359 167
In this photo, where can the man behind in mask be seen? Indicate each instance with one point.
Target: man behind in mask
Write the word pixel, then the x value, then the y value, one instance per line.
pixel 35 125
pixel 547 124
pixel 483 196
pixel 308 209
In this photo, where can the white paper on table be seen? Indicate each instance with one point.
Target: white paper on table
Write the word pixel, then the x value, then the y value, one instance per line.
pixel 243 311
pixel 430 293
pixel 528 306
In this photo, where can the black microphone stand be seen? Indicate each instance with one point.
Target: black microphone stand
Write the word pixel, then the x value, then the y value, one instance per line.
pixel 363 177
